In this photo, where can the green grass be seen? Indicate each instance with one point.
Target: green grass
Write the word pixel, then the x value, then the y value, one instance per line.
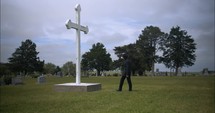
pixel 150 95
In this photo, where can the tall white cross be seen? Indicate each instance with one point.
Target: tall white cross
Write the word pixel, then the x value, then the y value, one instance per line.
pixel 78 28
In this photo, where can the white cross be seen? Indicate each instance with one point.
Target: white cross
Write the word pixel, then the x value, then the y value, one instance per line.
pixel 78 28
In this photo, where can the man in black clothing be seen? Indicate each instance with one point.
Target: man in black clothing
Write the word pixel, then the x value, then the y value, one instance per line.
pixel 126 73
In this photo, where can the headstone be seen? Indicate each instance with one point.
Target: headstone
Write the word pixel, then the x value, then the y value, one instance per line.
pixel 59 74
pixel 179 72
pixel 17 80
pixel 41 79
pixel 205 71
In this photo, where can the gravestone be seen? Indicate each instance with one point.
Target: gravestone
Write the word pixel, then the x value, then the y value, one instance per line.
pixel 78 86
pixel 17 80
pixel 59 74
pixel 205 72
pixel 41 79
pixel 179 72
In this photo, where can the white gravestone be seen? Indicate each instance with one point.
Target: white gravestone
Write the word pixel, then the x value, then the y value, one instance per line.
pixel 78 86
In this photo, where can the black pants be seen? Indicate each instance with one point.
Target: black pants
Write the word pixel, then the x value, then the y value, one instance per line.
pixel 122 81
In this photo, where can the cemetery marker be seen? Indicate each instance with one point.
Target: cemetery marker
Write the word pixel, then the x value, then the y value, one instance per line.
pixel 78 28
pixel 78 86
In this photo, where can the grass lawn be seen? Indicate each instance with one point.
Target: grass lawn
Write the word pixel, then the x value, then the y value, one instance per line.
pixel 149 95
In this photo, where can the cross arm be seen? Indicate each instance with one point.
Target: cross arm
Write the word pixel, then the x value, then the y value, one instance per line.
pixel 70 25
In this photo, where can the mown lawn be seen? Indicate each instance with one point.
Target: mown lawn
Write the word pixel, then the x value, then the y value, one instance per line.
pixel 149 95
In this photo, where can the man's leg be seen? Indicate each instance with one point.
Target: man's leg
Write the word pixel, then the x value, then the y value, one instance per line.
pixel 121 83
pixel 129 83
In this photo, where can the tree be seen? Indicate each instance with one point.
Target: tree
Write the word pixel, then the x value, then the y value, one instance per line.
pixel 147 46
pixel 178 49
pixel 68 68
pixel 49 68
pixel 97 58
pixel 25 59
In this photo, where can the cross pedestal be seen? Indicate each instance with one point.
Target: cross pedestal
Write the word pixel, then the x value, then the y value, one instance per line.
pixel 78 86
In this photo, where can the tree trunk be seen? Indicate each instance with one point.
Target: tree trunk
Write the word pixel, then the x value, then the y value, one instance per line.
pixel 98 72
pixel 176 71
pixel 133 72
pixel 153 59
pixel 153 68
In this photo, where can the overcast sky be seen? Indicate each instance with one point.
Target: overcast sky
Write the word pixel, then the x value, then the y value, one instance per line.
pixel 111 22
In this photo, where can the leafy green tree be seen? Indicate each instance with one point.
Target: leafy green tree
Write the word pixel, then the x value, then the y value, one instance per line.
pixel 49 68
pixel 178 49
pixel 97 58
pixel 148 45
pixel 68 68
pixel 25 59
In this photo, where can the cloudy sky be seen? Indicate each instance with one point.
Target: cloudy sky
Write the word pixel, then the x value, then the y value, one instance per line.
pixel 111 22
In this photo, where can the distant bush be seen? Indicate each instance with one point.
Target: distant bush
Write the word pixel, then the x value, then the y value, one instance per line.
pixel 35 75
pixel 115 74
pixel 108 75
pixel 93 74
pixel 49 75
pixel 140 72
pixel 7 80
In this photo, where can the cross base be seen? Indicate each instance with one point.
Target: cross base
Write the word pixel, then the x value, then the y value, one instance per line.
pixel 73 87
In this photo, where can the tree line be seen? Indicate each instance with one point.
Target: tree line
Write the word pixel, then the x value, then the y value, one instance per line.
pixel 176 50
pixel 25 61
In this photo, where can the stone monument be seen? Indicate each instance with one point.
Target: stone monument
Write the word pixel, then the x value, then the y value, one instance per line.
pixel 78 86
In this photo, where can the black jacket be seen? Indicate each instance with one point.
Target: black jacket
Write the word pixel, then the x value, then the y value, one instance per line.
pixel 127 68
